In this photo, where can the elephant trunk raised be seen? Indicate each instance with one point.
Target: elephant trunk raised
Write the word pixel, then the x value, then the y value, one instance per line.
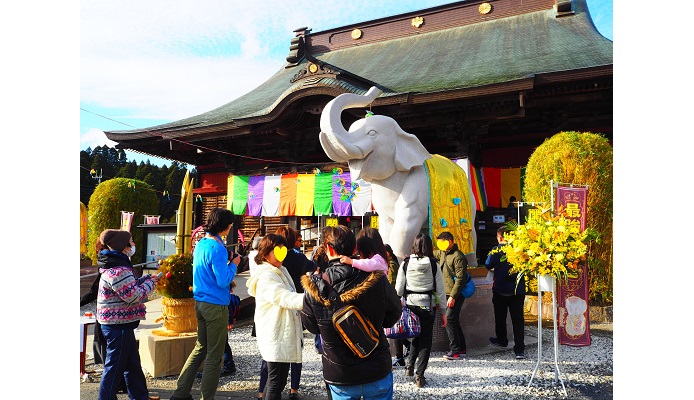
pixel 333 135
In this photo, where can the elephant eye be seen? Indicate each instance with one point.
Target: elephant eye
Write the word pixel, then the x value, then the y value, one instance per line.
pixel 372 133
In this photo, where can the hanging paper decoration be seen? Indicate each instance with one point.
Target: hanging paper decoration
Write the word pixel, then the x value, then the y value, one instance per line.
pixel 131 185
pixel 337 171
pixel 166 193
pixel 198 199
pixel 368 114
pixel 317 171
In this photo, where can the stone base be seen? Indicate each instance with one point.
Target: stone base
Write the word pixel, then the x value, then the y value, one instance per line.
pixel 163 355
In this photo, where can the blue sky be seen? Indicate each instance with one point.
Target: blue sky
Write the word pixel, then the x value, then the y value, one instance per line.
pixel 144 63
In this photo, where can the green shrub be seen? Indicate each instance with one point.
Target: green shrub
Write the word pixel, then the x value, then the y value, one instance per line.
pixel 582 159
pixel 109 199
pixel 177 276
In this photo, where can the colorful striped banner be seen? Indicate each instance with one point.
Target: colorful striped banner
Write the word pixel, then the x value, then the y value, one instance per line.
pixel 478 188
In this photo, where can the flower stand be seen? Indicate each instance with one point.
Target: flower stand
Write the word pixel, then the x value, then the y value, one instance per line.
pixel 547 283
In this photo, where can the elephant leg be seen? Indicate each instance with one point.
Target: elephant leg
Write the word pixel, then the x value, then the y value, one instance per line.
pixel 404 231
pixel 385 227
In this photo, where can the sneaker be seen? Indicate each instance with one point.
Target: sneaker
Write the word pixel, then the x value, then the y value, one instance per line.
pixel 409 370
pixel 521 356
pixel 496 342
pixel 453 355
pixel 398 362
pixel 420 381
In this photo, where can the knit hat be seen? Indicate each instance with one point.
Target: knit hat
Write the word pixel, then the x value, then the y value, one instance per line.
pixel 115 239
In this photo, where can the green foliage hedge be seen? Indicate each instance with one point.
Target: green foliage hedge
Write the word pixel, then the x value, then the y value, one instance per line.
pixel 108 200
pixel 583 159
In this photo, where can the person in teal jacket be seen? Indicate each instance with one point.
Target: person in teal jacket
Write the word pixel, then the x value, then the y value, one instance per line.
pixel 212 276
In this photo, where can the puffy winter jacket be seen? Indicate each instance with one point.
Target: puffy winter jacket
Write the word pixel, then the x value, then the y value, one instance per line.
pixel 278 326
pixel 375 297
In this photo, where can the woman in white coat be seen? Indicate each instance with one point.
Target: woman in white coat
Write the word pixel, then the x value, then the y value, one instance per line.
pixel 278 326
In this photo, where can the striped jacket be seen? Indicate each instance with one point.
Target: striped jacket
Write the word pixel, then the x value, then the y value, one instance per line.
pixel 121 296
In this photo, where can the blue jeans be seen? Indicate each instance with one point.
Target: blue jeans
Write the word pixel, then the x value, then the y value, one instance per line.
pixel 122 362
pixel 381 389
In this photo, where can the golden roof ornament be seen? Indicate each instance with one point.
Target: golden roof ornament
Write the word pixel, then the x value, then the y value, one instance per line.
pixel 417 22
pixel 356 34
pixel 485 8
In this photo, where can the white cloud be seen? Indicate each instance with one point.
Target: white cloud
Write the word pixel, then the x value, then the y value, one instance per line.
pixel 175 59
pixel 93 138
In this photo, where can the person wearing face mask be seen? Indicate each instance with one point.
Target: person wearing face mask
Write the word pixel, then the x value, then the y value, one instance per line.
pixel 279 332
pixel 119 309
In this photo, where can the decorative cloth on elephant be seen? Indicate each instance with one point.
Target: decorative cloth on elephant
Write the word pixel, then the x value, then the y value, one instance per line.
pixel 448 213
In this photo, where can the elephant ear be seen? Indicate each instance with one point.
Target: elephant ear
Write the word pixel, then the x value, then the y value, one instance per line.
pixel 409 151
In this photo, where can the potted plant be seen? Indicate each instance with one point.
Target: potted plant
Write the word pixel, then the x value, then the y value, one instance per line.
pixel 176 288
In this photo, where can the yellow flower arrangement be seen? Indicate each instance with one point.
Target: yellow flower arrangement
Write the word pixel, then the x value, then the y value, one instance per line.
pixel 546 245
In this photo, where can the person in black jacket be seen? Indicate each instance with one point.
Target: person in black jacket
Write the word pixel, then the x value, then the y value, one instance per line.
pixel 508 293
pixel 345 374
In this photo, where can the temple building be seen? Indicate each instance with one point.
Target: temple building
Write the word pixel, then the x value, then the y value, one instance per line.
pixel 480 82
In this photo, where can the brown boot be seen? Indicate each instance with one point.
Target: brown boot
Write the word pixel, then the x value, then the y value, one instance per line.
pixel 420 381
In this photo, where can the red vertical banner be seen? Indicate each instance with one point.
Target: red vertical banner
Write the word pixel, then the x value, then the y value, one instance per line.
pixel 572 296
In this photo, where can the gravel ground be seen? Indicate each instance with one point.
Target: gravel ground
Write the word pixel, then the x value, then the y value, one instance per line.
pixel 487 373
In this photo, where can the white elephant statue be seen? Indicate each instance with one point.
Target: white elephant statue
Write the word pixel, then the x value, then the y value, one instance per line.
pixel 400 169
